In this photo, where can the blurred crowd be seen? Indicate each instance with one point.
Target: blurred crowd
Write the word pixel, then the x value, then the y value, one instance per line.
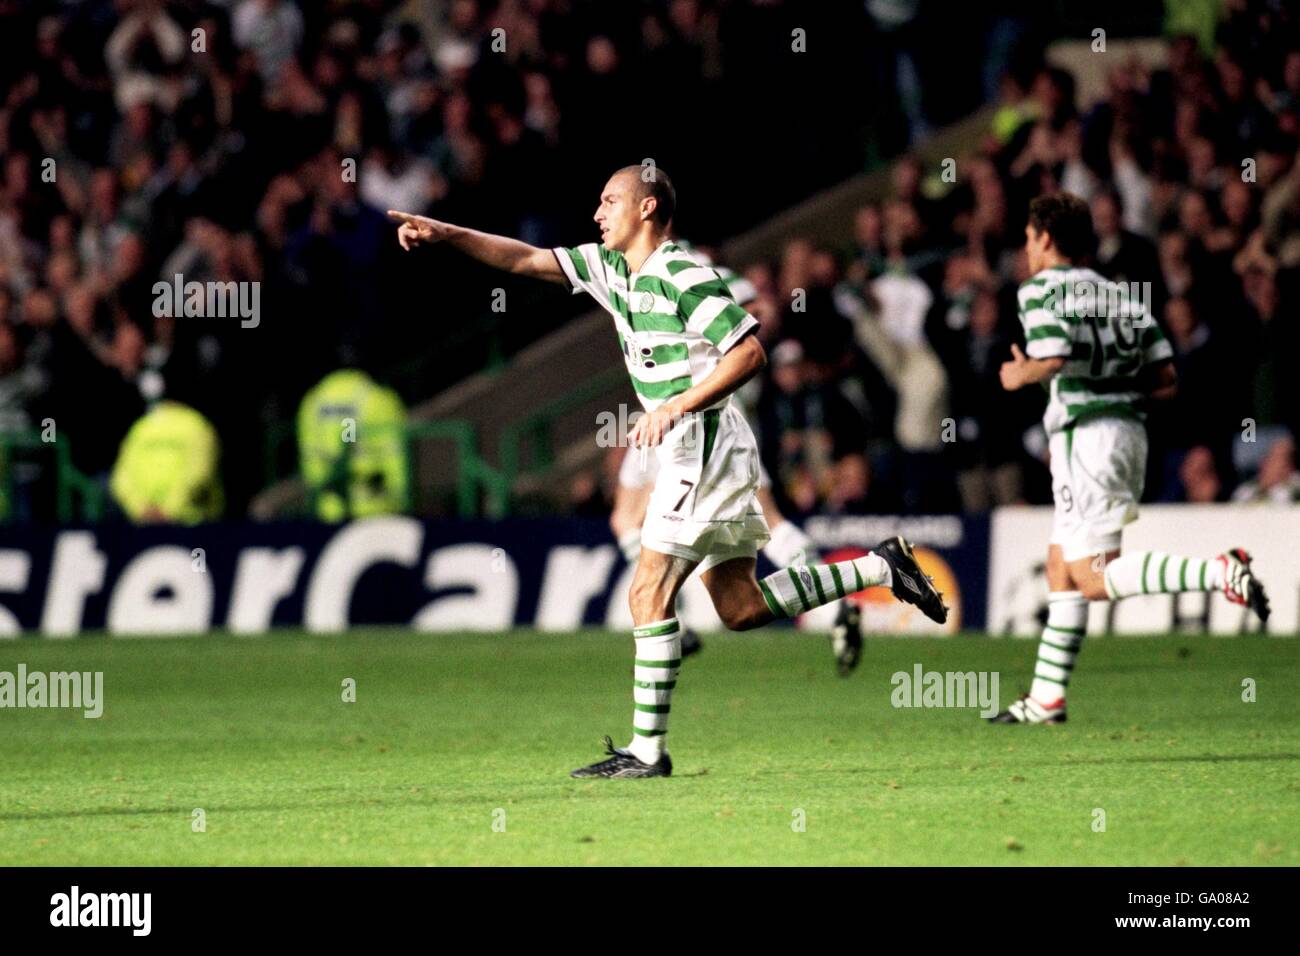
pixel 261 140
pixel 882 392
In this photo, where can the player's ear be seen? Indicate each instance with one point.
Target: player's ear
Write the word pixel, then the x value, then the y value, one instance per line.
pixel 648 206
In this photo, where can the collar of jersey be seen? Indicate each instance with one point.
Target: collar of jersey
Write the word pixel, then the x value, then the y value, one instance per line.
pixel 648 259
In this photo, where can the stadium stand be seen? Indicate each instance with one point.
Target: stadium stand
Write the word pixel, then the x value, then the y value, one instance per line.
pixel 147 139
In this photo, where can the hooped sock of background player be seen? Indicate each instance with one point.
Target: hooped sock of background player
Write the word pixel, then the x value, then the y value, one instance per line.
pixel 1130 575
pixel 1067 620
pixel 1154 572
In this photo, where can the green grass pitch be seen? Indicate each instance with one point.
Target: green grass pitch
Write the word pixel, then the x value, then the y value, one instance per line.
pixel 457 749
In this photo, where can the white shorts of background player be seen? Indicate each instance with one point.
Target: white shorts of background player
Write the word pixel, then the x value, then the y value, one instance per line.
pixel 703 506
pixel 1098 472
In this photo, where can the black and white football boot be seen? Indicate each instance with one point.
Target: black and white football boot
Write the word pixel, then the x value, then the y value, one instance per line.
pixel 691 643
pixel 846 637
pixel 1240 585
pixel 910 584
pixel 621 763
pixel 1026 710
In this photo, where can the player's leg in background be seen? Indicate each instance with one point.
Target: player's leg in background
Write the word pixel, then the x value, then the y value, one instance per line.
pixel 1073 520
pixel 1104 576
pixel 1104 468
pixel 789 545
pixel 1063 634
pixel 1156 572
pixel 1058 648
pixel 625 520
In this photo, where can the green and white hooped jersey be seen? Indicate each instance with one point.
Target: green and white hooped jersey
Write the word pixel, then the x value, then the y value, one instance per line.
pixel 675 318
pixel 1105 332
pixel 741 289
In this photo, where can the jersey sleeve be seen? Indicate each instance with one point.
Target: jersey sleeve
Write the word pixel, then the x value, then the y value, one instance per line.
pixel 1155 346
pixel 584 269
pixel 738 287
pixel 708 310
pixel 1047 331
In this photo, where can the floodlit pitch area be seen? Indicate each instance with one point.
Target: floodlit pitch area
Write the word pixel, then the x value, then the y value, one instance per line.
pixel 457 750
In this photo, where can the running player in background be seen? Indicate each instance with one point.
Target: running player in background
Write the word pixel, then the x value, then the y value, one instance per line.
pixel 1099 353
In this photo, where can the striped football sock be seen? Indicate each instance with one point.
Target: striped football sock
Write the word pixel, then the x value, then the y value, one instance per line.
pixel 654 675
pixel 791 591
pixel 1067 619
pixel 1154 572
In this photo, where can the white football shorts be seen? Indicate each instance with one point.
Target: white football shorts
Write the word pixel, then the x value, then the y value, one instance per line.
pixel 639 471
pixel 703 505
pixel 1098 472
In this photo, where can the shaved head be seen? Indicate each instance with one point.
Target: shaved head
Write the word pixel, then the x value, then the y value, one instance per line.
pixel 653 182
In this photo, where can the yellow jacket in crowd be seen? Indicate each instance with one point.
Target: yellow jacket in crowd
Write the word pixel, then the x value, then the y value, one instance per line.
pixel 167 468
pixel 352 447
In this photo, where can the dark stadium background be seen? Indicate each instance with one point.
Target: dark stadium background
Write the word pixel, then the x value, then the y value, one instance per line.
pixel 817 169
pixel 389 644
